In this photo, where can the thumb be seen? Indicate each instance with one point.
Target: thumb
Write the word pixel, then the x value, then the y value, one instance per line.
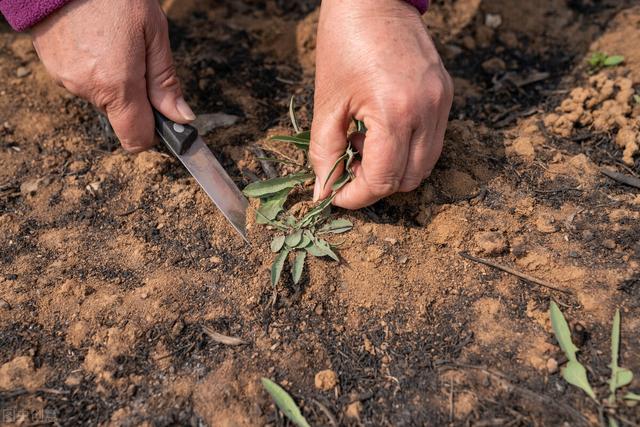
pixel 328 143
pixel 163 85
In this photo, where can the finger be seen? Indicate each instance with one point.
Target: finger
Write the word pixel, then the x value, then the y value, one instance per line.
pixel 384 160
pixel 163 85
pixel 131 117
pixel 328 143
pixel 420 162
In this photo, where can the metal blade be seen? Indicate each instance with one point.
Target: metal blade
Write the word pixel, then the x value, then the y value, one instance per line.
pixel 213 179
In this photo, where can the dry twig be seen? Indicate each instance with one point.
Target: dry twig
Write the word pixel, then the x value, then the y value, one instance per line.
pixel 631 181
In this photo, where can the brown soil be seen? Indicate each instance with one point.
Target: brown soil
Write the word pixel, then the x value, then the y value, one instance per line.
pixel 112 263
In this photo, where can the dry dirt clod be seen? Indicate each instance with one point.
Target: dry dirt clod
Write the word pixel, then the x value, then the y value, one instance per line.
pixel 609 244
pixel 491 243
pixel 353 410
pixel 546 224
pixel 326 380
pixel 552 365
pixel 494 65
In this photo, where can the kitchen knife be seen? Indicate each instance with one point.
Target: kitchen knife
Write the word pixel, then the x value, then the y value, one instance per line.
pixel 185 143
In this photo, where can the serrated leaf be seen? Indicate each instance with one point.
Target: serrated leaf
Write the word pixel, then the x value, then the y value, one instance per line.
pixel 613 60
pixel 275 185
pixel 286 404
pixel 293 239
pixel 337 226
pixel 271 206
pixel 576 374
pixel 620 377
pixel 292 115
pixel 298 266
pixel 562 332
pixel 277 243
pixel 278 265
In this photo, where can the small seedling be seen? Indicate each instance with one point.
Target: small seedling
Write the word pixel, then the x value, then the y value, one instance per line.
pixel 300 236
pixel 576 374
pixel 599 60
pixel 284 402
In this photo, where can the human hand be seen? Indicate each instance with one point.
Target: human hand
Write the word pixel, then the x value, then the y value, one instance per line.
pixel 115 54
pixel 376 62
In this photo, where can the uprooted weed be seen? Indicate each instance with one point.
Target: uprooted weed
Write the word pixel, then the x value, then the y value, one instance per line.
pixel 299 236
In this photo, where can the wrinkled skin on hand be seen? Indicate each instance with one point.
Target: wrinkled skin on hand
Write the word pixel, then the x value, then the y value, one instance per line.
pixel 115 54
pixel 376 62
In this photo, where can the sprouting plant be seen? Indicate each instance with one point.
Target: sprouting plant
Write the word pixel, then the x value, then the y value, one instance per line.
pixel 300 236
pixel 575 373
pixel 599 60
pixel 284 402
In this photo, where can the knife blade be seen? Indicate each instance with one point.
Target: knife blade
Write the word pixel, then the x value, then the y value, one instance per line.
pixel 185 143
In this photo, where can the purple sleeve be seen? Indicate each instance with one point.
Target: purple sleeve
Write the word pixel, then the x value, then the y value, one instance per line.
pixel 421 5
pixel 22 14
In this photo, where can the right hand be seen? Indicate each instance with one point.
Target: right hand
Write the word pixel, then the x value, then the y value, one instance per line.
pixel 116 55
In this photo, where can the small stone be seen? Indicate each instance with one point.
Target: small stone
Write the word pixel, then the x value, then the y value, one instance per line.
pixel 205 123
pixel 491 243
pixel 390 240
pixel 326 380
pixel 573 254
pixel 494 65
pixel 22 72
pixel 402 259
pixel 609 244
pixel 215 260
pixel 74 379
pixel 30 187
pixel 144 295
pixel 492 20
pixel 552 365
pixel 353 410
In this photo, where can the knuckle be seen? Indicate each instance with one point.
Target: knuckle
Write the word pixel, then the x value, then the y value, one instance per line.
pixel 167 78
pixel 410 183
pixel 384 186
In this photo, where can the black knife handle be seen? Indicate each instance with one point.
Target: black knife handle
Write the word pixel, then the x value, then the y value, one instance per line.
pixel 178 137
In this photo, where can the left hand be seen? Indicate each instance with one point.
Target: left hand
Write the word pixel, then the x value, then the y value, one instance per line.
pixel 376 62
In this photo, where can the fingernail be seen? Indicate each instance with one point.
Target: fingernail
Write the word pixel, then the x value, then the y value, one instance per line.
pixel 184 109
pixel 316 190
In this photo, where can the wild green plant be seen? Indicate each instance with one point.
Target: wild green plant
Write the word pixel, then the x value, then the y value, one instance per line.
pixel 576 374
pixel 599 60
pixel 305 235
pixel 284 402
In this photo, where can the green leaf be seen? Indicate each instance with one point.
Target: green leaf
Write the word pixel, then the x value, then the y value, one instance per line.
pixel 298 141
pixel 632 396
pixel 337 226
pixel 620 377
pixel 346 177
pixel 304 135
pixel 574 373
pixel 333 169
pixel 325 248
pixel 278 265
pixel 613 60
pixel 636 98
pixel 275 185
pixel 612 422
pixel 562 332
pixel 284 402
pixel 306 239
pixel 294 239
pixel 314 250
pixel 596 59
pixel 271 206
pixel 292 115
pixel 277 243
pixel 315 212
pixel 298 266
